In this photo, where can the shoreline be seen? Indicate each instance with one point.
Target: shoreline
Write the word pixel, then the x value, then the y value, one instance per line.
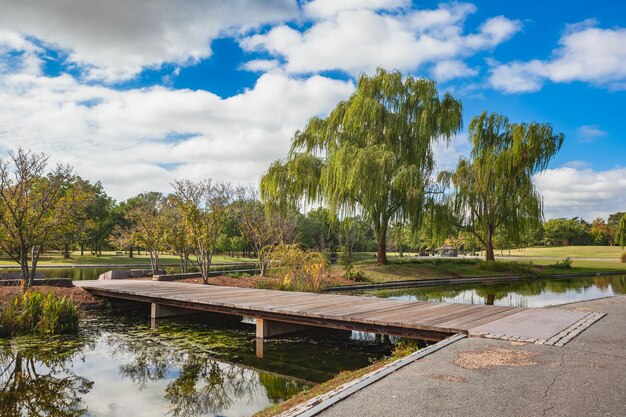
pixel 494 279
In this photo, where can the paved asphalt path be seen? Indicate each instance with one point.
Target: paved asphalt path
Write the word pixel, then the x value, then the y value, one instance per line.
pixel 586 377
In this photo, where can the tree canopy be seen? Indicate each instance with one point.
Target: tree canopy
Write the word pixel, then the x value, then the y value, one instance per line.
pixel 372 155
pixel 493 189
pixel 621 232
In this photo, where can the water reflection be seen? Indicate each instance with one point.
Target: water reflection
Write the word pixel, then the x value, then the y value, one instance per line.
pixel 118 365
pixel 38 382
pixel 526 293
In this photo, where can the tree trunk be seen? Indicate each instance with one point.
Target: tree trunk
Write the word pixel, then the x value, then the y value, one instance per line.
pixel 130 251
pixel 381 242
pixel 34 258
pixel 82 250
pixel 24 266
pixel 489 253
pixel 381 252
pixel 66 251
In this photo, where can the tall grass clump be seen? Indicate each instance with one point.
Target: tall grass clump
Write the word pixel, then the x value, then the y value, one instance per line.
pixel 35 313
pixel 300 270
pixel 512 267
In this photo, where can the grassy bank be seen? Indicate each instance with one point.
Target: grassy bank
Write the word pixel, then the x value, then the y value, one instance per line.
pixel 400 269
pixel 404 348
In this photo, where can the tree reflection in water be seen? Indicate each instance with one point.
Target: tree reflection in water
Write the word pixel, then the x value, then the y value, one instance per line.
pixel 203 385
pixel 40 382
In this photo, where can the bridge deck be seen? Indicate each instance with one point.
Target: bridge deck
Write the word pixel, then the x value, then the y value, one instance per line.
pixel 428 320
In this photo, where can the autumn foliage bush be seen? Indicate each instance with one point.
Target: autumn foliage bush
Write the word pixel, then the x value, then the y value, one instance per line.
pixel 299 270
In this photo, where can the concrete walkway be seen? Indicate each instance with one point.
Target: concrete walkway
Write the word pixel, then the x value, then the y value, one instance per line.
pixel 484 377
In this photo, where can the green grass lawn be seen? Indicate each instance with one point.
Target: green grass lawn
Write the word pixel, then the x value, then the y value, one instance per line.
pixel 406 268
pixel 603 252
pixel 109 258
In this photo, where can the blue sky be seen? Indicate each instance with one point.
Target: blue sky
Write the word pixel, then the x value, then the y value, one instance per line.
pixel 139 94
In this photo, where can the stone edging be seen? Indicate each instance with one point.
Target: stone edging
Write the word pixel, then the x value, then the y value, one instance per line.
pixel 323 401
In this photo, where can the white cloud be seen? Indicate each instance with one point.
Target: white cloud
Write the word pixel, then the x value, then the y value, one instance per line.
pixel 261 65
pixel 447 70
pixel 114 40
pixel 587 54
pixel 583 192
pixel 328 8
pixel 589 133
pixel 359 40
pixel 142 139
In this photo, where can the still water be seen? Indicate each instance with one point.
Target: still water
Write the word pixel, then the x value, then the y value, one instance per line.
pixel 118 365
pixel 527 293
pixel 85 273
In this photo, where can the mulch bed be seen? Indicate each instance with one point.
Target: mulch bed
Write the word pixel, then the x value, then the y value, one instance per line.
pixel 258 281
pixel 80 296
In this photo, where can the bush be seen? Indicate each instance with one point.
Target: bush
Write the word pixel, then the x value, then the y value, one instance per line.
pixel 237 275
pixel 405 347
pixel 33 312
pixel 564 264
pixel 300 270
pixel 352 273
pixel 512 267
pixel 171 270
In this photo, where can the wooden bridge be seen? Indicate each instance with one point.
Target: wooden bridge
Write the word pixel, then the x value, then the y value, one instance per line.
pixel 281 312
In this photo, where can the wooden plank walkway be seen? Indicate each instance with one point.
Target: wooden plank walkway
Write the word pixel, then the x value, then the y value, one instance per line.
pixel 418 319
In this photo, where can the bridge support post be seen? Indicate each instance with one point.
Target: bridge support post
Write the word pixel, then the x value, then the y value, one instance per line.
pixel 160 311
pixel 269 328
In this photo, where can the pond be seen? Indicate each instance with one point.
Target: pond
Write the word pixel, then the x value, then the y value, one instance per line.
pixel 78 273
pixel 526 293
pixel 121 365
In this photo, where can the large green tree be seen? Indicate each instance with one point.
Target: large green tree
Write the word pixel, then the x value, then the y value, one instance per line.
pixel 372 155
pixel 620 237
pixel 493 191
pixel 204 207
pixel 32 207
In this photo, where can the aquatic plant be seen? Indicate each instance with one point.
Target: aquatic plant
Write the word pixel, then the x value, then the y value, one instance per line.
pixel 34 312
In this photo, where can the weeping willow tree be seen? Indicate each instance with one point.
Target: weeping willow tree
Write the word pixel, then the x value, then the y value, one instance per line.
pixel 372 155
pixel 493 191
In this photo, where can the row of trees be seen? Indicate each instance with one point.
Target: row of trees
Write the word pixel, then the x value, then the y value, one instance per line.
pixel 577 231
pixel 55 209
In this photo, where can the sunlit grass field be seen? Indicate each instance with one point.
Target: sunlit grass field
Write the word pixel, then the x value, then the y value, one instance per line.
pixel 600 252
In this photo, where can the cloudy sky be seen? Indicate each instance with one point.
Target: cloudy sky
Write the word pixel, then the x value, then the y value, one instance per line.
pixel 138 93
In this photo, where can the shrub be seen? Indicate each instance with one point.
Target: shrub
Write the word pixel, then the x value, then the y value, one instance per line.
pixel 352 273
pixel 237 275
pixel 564 264
pixel 300 270
pixel 405 347
pixel 171 270
pixel 512 267
pixel 33 312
